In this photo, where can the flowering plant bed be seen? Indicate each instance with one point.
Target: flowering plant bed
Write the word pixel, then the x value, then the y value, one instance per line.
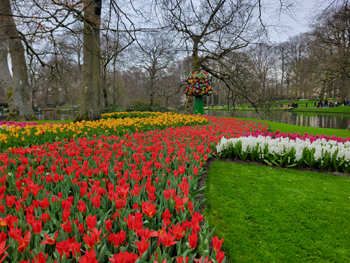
pixel 128 197
pixel 21 124
pixel 16 136
pixel 320 152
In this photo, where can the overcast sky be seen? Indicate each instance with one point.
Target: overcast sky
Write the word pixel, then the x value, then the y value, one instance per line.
pixel 303 14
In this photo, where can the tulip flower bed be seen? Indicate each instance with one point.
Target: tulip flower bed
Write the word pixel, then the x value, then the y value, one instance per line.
pixel 15 136
pixel 20 124
pixel 322 152
pixel 125 198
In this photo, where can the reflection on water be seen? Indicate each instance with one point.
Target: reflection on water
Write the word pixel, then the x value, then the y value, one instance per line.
pixel 52 115
pixel 49 115
pixel 311 119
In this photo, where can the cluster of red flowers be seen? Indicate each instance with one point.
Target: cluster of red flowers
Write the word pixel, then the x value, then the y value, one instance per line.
pixel 112 199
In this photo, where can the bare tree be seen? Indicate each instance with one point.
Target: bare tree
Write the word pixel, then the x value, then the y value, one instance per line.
pixel 155 51
pixel 16 86
pixel 210 27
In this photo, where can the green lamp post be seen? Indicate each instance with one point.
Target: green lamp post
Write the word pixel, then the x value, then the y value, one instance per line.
pixel 198 84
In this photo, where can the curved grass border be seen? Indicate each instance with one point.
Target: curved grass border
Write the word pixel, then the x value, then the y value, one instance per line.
pixel 255 246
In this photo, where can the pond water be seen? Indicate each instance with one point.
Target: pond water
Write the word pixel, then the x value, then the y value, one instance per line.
pixel 311 119
pixel 50 115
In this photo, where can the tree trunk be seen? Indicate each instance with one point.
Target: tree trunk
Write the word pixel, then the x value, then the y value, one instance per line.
pixel 114 80
pixel 16 87
pixel 151 99
pixel 90 108
pixel 104 86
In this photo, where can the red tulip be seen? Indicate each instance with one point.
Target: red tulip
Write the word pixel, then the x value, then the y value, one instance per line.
pixel 94 238
pixel 146 233
pixel 49 240
pixel 67 227
pixel 44 203
pixel 3 237
pixel 149 209
pixel 81 206
pixel 123 191
pixel 201 260
pixel 117 239
pixel 81 228
pixel 108 224
pixel 166 217
pixel 65 215
pixel 37 226
pixel 40 258
pixel 124 258
pixel 89 257
pixel 23 242
pixel 3 250
pixel 217 243
pixel 15 233
pixel 135 222
pixel 181 260
pixel 142 246
pixel 45 216
pixel 167 239
pixel 220 256
pixel 178 231
pixel 10 201
pixel 179 203
pixel 91 222
pixel 192 239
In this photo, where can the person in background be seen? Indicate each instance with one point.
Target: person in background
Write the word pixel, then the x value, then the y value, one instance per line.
pixel 306 104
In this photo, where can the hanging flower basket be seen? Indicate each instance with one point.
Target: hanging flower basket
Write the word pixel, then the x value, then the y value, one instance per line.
pixel 198 84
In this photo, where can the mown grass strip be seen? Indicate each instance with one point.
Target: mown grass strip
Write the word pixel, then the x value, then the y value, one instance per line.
pixel 282 127
pixel 276 215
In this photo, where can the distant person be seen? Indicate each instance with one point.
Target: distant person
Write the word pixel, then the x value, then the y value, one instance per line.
pixel 306 104
pixel 315 104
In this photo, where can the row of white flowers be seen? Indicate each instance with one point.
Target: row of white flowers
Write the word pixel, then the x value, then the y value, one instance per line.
pixel 326 155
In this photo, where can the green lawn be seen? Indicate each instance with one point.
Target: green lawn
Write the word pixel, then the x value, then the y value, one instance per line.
pixel 274 215
pixel 282 127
